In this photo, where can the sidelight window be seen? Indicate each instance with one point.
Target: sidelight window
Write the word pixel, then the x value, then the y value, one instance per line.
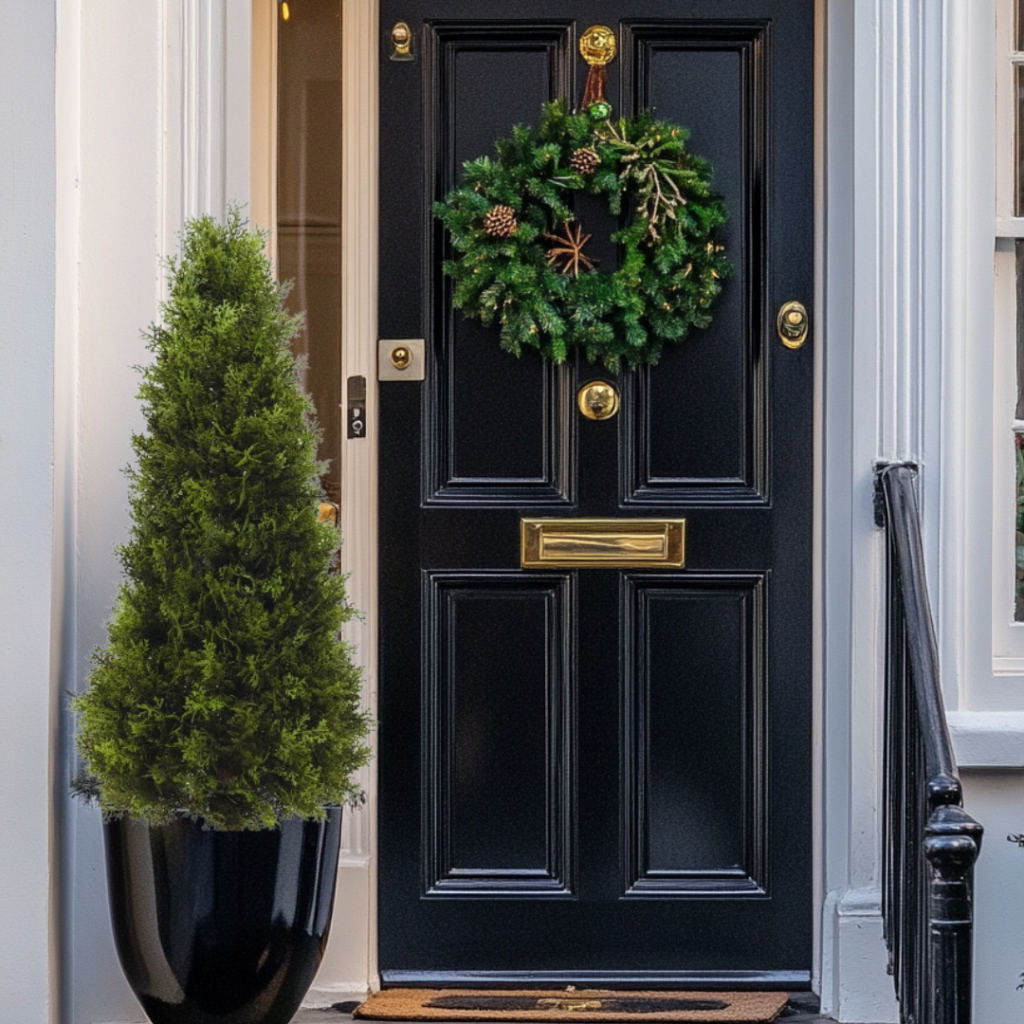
pixel 309 203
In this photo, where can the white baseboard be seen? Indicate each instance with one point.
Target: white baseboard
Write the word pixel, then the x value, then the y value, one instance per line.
pixel 855 986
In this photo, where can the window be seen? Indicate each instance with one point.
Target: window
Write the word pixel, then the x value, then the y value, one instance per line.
pixel 1008 354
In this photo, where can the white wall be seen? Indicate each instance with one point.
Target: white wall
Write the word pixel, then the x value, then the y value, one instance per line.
pixel 996 798
pixel 27 565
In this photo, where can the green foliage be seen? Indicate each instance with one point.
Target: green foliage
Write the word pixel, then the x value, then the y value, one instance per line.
pixel 224 689
pixel 670 269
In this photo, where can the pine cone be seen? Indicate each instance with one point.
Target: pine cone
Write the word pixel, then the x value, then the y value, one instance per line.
pixel 585 161
pixel 500 221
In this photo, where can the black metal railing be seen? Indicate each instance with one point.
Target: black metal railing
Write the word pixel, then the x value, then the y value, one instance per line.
pixel 930 842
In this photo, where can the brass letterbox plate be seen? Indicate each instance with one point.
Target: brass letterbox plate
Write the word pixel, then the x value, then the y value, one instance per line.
pixel 603 543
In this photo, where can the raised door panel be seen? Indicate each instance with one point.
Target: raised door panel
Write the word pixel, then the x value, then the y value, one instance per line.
pixel 693 704
pixel 476 391
pixel 697 428
pixel 498 717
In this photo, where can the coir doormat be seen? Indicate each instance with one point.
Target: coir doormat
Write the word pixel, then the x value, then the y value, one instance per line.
pixel 569 1005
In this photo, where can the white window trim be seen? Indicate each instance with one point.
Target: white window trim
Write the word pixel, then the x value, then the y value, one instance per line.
pixel 1007 635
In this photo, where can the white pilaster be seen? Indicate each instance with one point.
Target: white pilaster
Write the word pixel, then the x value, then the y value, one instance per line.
pixel 207 57
pixel 113 243
pixel 889 218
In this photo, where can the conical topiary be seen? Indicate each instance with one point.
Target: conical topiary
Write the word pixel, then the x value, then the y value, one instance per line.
pixel 224 689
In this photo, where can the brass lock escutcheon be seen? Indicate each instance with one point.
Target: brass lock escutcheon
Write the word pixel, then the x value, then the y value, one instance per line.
pixel 793 324
pixel 598 400
pixel 401 359
pixel 401 42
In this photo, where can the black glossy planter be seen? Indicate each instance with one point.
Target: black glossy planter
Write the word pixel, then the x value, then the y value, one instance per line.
pixel 221 927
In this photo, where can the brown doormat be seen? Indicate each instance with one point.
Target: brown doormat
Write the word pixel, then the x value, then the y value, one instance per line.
pixel 570 1005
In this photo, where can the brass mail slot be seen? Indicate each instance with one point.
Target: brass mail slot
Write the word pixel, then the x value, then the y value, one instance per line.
pixel 601 543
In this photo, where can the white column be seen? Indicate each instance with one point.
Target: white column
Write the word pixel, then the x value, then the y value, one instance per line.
pixel 894 292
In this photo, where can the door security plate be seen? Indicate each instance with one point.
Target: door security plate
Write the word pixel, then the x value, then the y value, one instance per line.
pixel 401 359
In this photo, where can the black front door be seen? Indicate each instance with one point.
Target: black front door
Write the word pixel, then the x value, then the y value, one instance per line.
pixel 598 774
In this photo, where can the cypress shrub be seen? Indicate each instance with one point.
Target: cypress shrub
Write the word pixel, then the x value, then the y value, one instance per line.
pixel 224 689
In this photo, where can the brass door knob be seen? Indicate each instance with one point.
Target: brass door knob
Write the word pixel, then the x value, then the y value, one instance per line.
pixel 598 400
pixel 401 357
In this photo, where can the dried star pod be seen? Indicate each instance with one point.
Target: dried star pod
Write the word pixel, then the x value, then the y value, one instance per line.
pixel 585 161
pixel 568 251
pixel 500 221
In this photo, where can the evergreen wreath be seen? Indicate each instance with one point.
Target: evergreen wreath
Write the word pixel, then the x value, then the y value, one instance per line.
pixel 520 250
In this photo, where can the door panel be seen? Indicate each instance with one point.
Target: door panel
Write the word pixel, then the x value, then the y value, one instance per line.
pixel 598 775
pixel 532 63
pixel 694 743
pixel 494 711
pixel 683 70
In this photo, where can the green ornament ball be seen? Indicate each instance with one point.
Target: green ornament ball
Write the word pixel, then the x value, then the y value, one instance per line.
pixel 600 111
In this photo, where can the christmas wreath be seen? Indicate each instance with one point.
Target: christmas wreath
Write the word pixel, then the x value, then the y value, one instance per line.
pixel 520 252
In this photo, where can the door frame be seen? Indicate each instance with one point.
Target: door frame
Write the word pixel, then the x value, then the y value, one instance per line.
pixel 845 853
pixel 361 34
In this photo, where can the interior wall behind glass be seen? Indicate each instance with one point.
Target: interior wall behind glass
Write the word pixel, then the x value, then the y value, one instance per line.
pixel 309 203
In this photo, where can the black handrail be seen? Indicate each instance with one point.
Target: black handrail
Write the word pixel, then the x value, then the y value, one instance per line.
pixel 930 843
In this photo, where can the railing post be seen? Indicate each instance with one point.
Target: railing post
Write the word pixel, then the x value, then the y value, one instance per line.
pixel 951 846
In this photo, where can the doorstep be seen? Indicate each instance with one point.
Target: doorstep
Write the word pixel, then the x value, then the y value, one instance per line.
pixel 802 1009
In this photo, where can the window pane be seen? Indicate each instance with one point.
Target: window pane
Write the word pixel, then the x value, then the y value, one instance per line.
pixel 1018 136
pixel 1018 439
pixel 309 203
pixel 1019 247
pixel 1018 445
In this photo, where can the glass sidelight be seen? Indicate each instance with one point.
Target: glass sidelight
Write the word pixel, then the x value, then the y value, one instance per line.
pixel 309 203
